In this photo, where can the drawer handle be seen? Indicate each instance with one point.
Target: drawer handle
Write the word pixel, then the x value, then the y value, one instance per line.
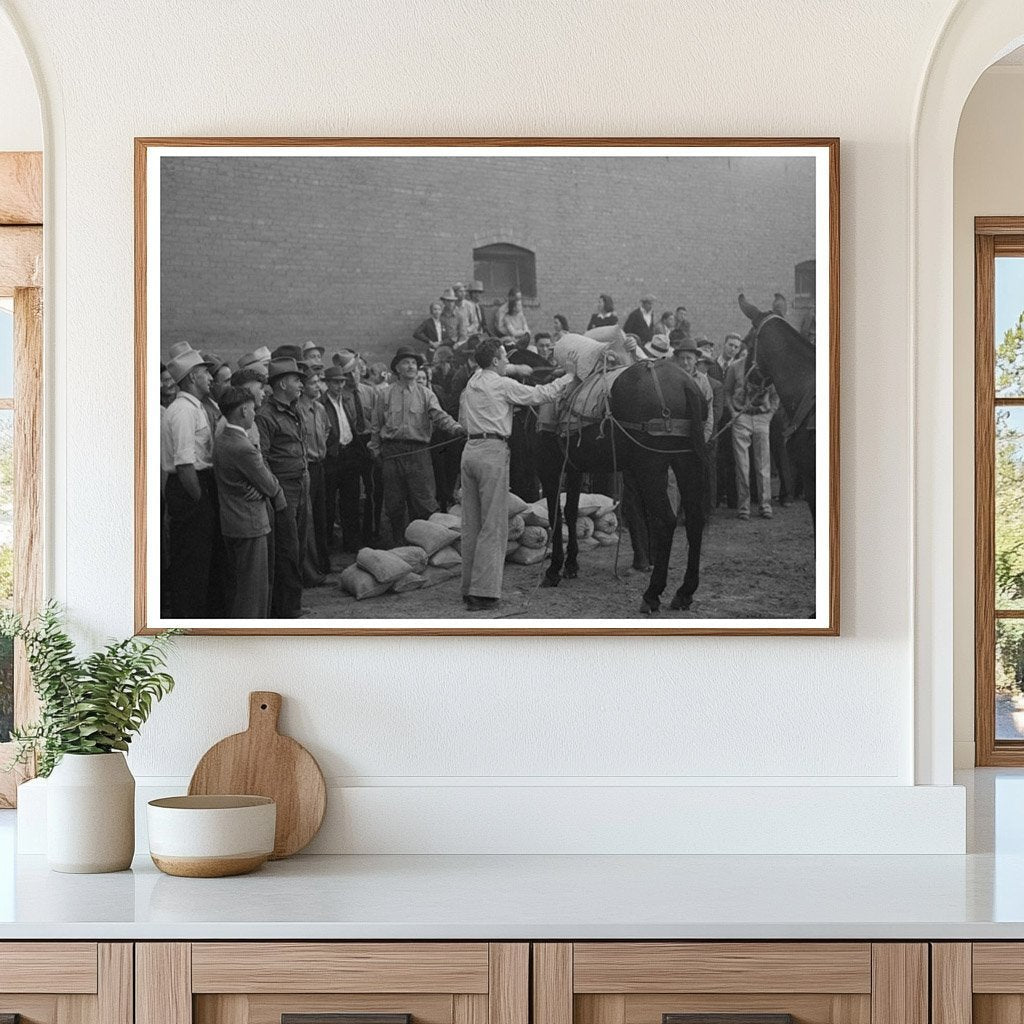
pixel 339 1018
pixel 727 1018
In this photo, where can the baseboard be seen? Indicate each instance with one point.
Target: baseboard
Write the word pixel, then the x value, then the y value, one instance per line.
pixel 480 819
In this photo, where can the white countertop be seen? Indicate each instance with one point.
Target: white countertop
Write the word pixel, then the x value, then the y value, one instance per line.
pixel 495 897
pixel 977 896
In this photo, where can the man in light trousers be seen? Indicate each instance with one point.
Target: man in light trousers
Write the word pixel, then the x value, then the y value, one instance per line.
pixel 485 412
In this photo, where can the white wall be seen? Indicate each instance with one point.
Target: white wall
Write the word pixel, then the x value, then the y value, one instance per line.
pixel 21 127
pixel 428 716
pixel 987 182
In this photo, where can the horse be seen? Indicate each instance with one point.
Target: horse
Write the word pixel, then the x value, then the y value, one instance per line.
pixel 653 423
pixel 777 353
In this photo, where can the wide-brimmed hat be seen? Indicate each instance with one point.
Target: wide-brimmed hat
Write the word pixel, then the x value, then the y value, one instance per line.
pixel 406 353
pixel 254 359
pixel 287 352
pixel 648 298
pixel 185 363
pixel 279 367
pixel 703 342
pixel 658 347
pixel 475 286
pixel 345 363
pixel 448 294
pixel 312 346
pixel 684 344
pixel 458 284
pixel 178 349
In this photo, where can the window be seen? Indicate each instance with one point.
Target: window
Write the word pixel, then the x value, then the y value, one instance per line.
pixel 999 491
pixel 502 267
pixel 805 280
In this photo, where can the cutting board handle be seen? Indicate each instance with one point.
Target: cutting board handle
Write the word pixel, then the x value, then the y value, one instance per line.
pixel 264 710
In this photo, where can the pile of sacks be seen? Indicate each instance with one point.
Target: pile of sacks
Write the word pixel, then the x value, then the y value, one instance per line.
pixel 432 554
pixel 431 557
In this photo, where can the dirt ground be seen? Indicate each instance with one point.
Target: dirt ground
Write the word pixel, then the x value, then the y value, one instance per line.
pixel 757 569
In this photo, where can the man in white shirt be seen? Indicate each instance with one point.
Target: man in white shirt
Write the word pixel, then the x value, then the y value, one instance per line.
pixel 186 457
pixel 485 413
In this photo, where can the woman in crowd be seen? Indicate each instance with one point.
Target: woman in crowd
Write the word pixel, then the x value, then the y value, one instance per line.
pixel 605 314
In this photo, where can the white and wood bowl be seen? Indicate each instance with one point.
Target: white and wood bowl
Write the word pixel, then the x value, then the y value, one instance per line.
pixel 211 836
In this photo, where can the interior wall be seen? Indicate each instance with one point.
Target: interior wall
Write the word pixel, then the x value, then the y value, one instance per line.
pixel 21 127
pixel 987 182
pixel 458 712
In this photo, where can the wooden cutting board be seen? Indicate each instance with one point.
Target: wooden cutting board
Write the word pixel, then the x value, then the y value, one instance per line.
pixel 262 762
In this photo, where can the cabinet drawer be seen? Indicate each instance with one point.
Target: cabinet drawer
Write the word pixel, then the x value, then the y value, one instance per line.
pixel 66 982
pixel 332 983
pixel 730 983
pixel 65 967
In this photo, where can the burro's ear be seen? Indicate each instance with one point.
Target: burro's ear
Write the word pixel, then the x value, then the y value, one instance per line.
pixel 751 312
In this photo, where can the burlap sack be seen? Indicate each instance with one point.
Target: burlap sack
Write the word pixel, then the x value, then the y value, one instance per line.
pixel 526 556
pixel 383 566
pixel 516 527
pixel 586 543
pixel 434 574
pixel 608 540
pixel 606 522
pixel 534 537
pixel 415 557
pixel 584 527
pixel 429 536
pixel 516 505
pixel 594 504
pixel 446 519
pixel 537 514
pixel 411 582
pixel 360 584
pixel 445 557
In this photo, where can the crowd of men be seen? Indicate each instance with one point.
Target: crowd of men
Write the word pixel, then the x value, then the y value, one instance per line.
pixel 271 466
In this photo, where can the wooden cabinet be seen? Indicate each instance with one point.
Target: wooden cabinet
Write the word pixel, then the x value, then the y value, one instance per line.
pixel 755 982
pixel 66 982
pixel 978 983
pixel 264 982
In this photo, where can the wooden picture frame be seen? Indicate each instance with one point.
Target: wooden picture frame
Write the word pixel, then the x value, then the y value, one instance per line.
pixel 154 283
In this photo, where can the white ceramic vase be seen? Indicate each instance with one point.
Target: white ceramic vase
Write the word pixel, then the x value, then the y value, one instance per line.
pixel 90 814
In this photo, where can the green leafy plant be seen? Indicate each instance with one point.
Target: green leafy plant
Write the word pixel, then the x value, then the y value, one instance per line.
pixel 90 705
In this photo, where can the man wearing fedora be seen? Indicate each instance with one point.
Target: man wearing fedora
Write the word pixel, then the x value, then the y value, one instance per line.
pixel 751 407
pixel 313 354
pixel 449 318
pixel 244 488
pixel 471 314
pixel 186 457
pixel 317 560
pixel 404 418
pixel 348 467
pixel 284 452
pixel 641 320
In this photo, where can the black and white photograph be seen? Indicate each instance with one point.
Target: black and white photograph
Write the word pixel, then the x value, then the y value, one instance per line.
pixel 483 386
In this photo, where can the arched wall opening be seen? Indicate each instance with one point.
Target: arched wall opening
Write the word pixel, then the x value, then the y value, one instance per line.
pixel 976 34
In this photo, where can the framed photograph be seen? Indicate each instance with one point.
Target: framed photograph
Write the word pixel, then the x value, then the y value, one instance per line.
pixel 487 386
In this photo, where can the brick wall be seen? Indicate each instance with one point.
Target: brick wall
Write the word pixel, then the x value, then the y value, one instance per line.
pixel 350 251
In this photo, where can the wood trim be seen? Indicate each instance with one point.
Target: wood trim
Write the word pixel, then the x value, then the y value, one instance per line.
pixel 21 188
pixel 997 967
pixel 69 968
pixel 21 258
pixel 28 483
pixel 508 990
pixel 163 983
pixel 606 1009
pixel 634 967
pixel 951 983
pixel 984 502
pixel 899 991
pixel 469 1009
pixel 999 226
pixel 141 377
pixel 339 967
pixel 552 983
pixel 115 983
pixel 831 144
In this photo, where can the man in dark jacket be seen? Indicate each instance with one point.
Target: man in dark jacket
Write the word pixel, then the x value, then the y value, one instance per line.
pixel 243 485
pixel 641 321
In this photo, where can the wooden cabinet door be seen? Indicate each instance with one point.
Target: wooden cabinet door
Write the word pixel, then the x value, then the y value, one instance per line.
pixel 978 983
pixel 332 983
pixel 66 982
pixel 730 983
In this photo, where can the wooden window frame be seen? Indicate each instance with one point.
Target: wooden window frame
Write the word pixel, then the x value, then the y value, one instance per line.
pixel 21 278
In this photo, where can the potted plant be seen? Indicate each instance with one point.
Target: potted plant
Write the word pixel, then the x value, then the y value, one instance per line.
pixel 89 710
